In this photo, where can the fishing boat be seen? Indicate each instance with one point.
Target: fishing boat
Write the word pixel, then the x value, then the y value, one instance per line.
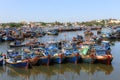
pixel 45 60
pixel 107 33
pixel 86 56
pixel 58 58
pixel 54 49
pixel 52 32
pixel 8 38
pixel 72 56
pixel 80 38
pixel 17 63
pixel 31 56
pixel 32 43
pixel 105 45
pixel 14 59
pixel 71 53
pixel 103 55
pixel 16 44
pixel 44 56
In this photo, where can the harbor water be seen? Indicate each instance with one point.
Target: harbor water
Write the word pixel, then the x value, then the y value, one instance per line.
pixel 67 71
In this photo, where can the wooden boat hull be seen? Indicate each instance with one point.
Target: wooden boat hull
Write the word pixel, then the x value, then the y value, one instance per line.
pixel 19 64
pixel 44 61
pixel 58 60
pixel 104 60
pixel 73 59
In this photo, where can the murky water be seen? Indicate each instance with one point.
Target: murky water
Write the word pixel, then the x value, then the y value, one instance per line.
pixel 64 71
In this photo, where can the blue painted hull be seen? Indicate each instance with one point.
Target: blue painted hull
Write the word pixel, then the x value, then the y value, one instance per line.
pixel 1 39
pixel 58 60
pixel 8 39
pixel 73 59
pixel 45 61
pixel 1 62
pixel 21 64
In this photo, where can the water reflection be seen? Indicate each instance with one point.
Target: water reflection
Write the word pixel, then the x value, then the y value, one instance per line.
pixel 55 71
pixel 2 70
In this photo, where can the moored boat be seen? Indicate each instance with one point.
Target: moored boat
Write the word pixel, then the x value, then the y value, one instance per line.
pixel 103 56
pixel 53 32
pixel 58 58
pixel 19 63
pixel 16 44
pixel 86 55
pixel 15 59
pixel 72 56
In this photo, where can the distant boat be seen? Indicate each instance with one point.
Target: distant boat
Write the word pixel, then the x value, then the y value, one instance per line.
pixel 16 44
pixel 8 38
pixel 52 32
pixel 107 33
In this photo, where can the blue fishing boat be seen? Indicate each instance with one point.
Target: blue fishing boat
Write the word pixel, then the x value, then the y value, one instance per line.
pixel 72 55
pixel 52 32
pixel 16 44
pixel 86 55
pixel 54 49
pixel 45 60
pixel 58 58
pixel 8 38
pixel 40 57
pixel 19 63
pixel 105 45
pixel 30 56
pixel 107 33
pixel 103 55
pixel 15 59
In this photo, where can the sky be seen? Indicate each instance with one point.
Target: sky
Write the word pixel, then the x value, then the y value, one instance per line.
pixel 58 10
